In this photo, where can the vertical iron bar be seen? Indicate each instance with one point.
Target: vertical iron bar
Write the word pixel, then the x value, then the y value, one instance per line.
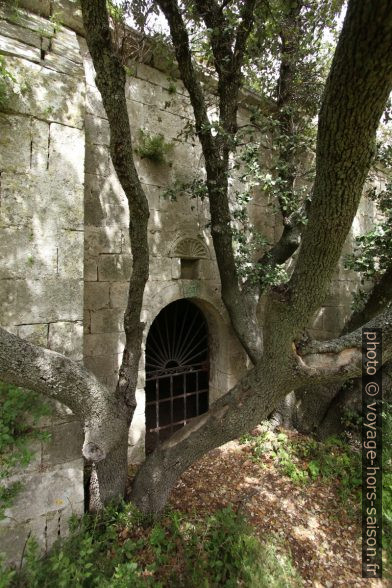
pixel 197 394
pixel 171 404
pixel 157 411
pixel 184 391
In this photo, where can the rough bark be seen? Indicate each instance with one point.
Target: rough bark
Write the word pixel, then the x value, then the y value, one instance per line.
pixel 110 81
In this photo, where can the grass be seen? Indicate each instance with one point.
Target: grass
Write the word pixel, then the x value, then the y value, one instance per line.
pixel 120 548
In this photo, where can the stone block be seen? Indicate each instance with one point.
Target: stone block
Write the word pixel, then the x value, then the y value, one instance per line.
pixel 137 430
pixel 97 130
pixel 156 174
pixel 105 202
pixel 94 104
pixel 13 31
pixel 91 269
pixel 48 490
pixel 103 344
pixel 66 153
pixel 16 48
pixel 176 268
pixel 65 444
pixel 27 254
pixel 38 301
pixel 46 93
pixel 61 64
pixel 67 338
pixel 65 43
pixel 136 453
pixel 41 199
pixel 70 14
pixel 39 134
pixel 114 267
pixel 153 194
pixel 160 269
pixel 70 254
pixel 36 334
pixel 40 7
pixel 161 121
pixel 142 91
pixel 97 159
pixel 136 111
pixel 154 76
pixel 208 270
pixel 119 295
pixel 15 140
pixel 102 240
pixel 96 295
pixel 46 529
pixel 107 321
pixel 32 19
pixel 104 367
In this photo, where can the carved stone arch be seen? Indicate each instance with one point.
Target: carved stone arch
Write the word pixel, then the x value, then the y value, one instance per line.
pixel 189 248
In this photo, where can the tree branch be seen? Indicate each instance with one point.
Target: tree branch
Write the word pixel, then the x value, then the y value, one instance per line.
pixel 342 357
pixel 55 376
pixel 378 299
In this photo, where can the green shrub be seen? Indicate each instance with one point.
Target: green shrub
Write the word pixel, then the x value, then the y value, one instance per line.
pixel 306 459
pixel 121 548
pixel 153 147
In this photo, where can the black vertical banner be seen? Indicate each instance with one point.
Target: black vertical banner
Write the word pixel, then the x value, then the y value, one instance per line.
pixel 371 453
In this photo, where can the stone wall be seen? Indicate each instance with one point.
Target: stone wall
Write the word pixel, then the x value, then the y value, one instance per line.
pixel 155 109
pixel 65 253
pixel 42 147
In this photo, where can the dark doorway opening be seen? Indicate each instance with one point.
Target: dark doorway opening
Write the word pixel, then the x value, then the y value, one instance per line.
pixel 177 370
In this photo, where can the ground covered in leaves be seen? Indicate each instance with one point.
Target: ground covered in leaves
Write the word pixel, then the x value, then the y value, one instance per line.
pixel 317 521
pixel 272 510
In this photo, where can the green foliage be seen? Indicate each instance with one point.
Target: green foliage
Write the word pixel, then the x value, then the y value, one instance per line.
pixel 373 250
pixel 194 189
pixel 20 411
pixel 373 253
pixel 306 459
pixel 153 147
pixel 120 548
pixel 172 88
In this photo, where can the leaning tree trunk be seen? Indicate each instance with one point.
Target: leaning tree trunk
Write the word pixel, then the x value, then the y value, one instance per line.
pixel 104 418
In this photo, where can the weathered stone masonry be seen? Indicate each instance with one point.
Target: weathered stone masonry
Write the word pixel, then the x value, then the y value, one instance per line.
pixel 64 247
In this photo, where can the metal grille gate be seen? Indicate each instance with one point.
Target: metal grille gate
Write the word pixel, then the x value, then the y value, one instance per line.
pixel 177 370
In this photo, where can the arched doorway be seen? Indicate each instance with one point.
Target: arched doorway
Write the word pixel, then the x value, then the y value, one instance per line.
pixel 177 370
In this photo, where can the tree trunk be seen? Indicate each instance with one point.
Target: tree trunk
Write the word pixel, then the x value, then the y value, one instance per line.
pixel 240 410
pixel 110 80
